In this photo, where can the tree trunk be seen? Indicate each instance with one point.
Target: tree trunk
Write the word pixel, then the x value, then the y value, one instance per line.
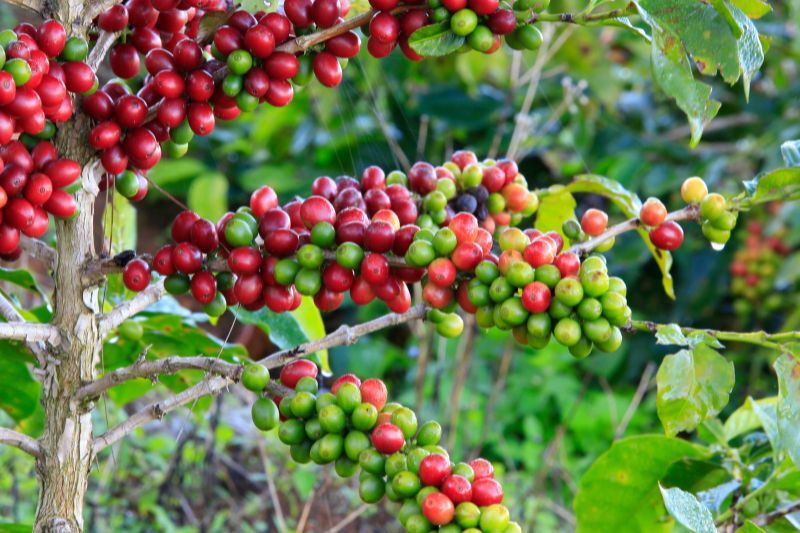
pixel 66 444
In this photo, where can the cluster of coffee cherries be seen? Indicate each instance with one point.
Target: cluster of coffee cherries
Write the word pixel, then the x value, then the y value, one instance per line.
pixel 716 215
pixel 354 428
pixel 350 236
pixel 754 269
pixel 537 290
pixel 32 186
pixel 40 68
pixel 494 191
pixel 482 23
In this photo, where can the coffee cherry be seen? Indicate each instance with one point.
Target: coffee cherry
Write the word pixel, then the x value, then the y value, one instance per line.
pixel 327 69
pixel 136 275
pixel 653 212
pixel 457 488
pixel 668 236
pixel 693 190
pixel 387 438
pixel 594 222
pixel 438 509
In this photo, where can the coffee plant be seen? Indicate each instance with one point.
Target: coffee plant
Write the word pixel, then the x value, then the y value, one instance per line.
pixel 93 95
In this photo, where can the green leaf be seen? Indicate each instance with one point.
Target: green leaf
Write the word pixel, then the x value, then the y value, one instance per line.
pixel 208 196
pixel 693 385
pixel 706 35
pixel 435 40
pixel 788 408
pixel 629 203
pixel 119 223
pixel 672 335
pixel 755 9
pixel 689 512
pixel 781 183
pixel 620 490
pixel 283 329
pixel 21 278
pixel 724 10
pixel 673 74
pixel 745 419
pixel 555 207
pixel 20 392
pixel 7 527
pixel 310 321
pixel 767 414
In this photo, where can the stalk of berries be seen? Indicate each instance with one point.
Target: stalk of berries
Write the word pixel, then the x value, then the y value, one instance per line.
pixel 41 69
pixel 354 428
pixel 717 216
pixel 350 236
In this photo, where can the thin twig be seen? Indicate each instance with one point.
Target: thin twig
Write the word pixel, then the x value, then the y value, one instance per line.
pixel 690 212
pixel 273 493
pixel 767 519
pixel 497 390
pixel 18 440
pixel 759 338
pixel 30 333
pixel 641 390
pixel 103 44
pixel 349 518
pixel 39 250
pixel 463 356
pixel 8 312
pixel 108 321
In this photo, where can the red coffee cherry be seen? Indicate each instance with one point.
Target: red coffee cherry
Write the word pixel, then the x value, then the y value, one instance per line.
pixel 327 69
pixel 204 287
pixel 434 469
pixel 668 236
pixel 653 212
pixel 387 438
pixel 457 488
pixel 136 275
pixel 594 222
pixel 486 491
pixel 294 371
pixel 438 508
pixel 374 391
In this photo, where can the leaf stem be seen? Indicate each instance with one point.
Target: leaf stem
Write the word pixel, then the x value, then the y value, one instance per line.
pixel 585 17
pixel 774 341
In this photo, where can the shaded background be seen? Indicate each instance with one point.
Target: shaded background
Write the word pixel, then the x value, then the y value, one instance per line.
pixel 584 103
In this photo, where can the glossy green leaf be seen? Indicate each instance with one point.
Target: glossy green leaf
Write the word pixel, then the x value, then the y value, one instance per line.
pixel 119 223
pixel 787 367
pixel 169 172
pixel 620 490
pixel 310 320
pixel 629 203
pixel 755 9
pixel 555 207
pixel 208 196
pixel 790 151
pixel 687 511
pixel 693 385
pixel 283 329
pixel 21 278
pixel 707 36
pixel 20 392
pixel 781 183
pixel 435 40
pixel 745 419
pixel 673 74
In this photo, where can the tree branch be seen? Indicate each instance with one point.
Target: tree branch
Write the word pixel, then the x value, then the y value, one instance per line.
pixel 585 17
pixel 8 312
pixel 157 410
pixel 345 335
pixel 18 440
pixel 690 212
pixel 29 333
pixel 38 249
pixel 34 5
pixel 154 367
pixel 104 41
pixel 767 519
pixel 759 338
pixel 115 317
pixel 96 270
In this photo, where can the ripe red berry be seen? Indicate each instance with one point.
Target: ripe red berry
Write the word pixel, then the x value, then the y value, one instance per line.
pixel 482 469
pixel 248 289
pixel 327 69
pixel 316 209
pixel 434 469
pixel 375 268
pixel 668 236
pixel 594 222
pixel 465 226
pixel 51 37
pixel 438 508
pixel 536 297
pixel 457 488
pixel 568 264
pixel 467 255
pixel 124 60
pixel 337 278
pixel 203 234
pixel 325 13
pixel 187 258
pixel 486 491
pixel 387 438
pixel 136 275
pixel 244 260
pixel 18 212
pixel 346 45
pixel 384 27
pixel 346 378
pixel 260 41
pixel 204 287
pixel 38 189
pixel 61 204
pixel 162 261
pixel 442 272
pixel 374 391
pixel 361 293
pixel 294 371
